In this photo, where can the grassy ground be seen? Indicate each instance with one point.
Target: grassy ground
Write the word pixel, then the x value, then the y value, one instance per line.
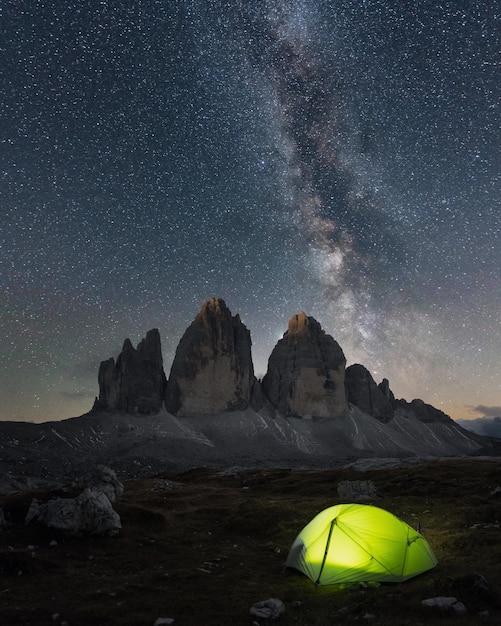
pixel 202 548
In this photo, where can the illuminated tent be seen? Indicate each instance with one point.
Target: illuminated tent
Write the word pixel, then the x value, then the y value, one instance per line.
pixel 359 543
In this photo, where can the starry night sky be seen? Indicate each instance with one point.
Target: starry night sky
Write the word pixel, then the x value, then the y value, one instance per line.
pixel 338 157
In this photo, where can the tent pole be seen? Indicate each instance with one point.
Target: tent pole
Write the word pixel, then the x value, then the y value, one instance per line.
pixel 333 523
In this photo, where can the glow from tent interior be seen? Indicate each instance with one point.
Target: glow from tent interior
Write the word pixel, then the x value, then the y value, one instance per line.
pixel 367 544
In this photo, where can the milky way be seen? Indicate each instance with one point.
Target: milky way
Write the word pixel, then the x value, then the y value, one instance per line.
pixel 340 158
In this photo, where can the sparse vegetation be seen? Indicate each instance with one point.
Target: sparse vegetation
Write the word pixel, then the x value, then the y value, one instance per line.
pixel 202 547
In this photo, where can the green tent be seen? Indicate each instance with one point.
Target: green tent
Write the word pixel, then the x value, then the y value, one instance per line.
pixel 359 543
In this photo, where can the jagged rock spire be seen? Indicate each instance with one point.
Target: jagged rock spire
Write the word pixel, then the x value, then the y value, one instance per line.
pixel 136 382
pixel 305 376
pixel 364 393
pixel 212 371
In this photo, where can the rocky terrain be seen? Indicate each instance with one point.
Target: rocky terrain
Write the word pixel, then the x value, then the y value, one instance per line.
pixel 136 382
pixel 205 546
pixel 144 445
pixel 212 370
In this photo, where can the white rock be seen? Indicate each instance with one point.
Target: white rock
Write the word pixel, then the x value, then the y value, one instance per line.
pixel 268 609
pixel 91 512
pixel 441 602
pixel 358 491
pixel 104 479
pixel 163 621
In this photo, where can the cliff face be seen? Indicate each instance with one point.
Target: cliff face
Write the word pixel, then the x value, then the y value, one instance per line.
pixel 212 371
pixel 136 382
pixel 305 376
pixel 364 393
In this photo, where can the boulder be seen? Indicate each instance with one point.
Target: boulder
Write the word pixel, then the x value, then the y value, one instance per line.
pixel 136 382
pixel 358 491
pixel 89 513
pixel 305 376
pixel 364 393
pixel 103 479
pixel 268 609
pixel 212 371
pixel 445 603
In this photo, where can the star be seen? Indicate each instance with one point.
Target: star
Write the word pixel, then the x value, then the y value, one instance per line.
pixel 337 158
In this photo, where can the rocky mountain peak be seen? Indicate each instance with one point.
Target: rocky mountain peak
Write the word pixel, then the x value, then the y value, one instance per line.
pixel 215 306
pixel 302 323
pixel 305 376
pixel 423 411
pixel 212 371
pixel 127 346
pixel 215 318
pixel 135 383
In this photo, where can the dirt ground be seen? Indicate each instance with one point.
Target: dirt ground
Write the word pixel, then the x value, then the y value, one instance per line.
pixel 202 547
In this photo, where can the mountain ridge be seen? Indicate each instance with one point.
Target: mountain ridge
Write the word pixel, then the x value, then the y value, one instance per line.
pixel 309 412
pixel 138 445
pixel 213 372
